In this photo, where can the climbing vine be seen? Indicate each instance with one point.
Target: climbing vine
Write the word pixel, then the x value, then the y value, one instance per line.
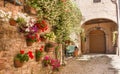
pixel 63 16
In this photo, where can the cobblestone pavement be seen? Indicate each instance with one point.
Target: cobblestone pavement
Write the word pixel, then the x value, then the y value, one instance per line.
pixel 92 64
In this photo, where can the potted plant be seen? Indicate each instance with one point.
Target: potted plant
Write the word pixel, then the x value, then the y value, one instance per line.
pixel 12 22
pixel 50 36
pixel 39 54
pixel 21 21
pixel 42 25
pixel 31 38
pixel 46 61
pixel 22 57
pixel 49 47
pixel 55 64
pixel 42 38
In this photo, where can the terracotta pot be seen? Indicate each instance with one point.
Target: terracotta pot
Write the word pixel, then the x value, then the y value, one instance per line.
pixel 29 43
pixel 18 64
pixel 38 59
pixel 75 53
pixel 12 22
pixel 49 49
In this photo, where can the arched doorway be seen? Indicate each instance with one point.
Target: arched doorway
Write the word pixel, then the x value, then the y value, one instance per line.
pixel 97 41
pixel 99 36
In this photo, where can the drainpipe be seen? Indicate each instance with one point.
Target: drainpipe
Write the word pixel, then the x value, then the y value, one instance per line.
pixel 116 2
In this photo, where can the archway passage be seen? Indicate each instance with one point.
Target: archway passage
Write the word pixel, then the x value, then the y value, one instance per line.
pixel 97 41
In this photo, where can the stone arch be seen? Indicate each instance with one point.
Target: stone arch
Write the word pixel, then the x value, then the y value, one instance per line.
pixel 104 25
pixel 83 22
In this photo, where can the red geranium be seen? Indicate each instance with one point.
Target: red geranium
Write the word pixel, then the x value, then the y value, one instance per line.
pixel 30 54
pixel 43 25
pixel 21 51
pixel 32 37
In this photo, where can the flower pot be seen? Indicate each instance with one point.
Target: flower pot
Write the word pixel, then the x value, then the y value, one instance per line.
pixel 39 59
pixel 46 65
pixel 12 22
pixel 30 10
pixel 38 56
pixel 29 43
pixel 75 53
pixel 49 49
pixel 17 63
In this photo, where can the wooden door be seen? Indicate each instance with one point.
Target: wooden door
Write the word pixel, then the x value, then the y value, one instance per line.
pixel 97 41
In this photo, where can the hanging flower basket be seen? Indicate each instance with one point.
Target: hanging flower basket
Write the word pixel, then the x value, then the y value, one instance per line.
pixel 43 25
pixel 31 38
pixel 12 22
pixel 29 43
pixel 49 47
pixel 46 61
pixel 17 63
pixel 43 39
pixel 38 54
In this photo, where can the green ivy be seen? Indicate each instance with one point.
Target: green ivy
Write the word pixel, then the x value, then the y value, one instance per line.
pixel 64 16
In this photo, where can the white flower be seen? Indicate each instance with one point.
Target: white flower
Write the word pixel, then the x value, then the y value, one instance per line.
pixel 27 30
pixel 5 15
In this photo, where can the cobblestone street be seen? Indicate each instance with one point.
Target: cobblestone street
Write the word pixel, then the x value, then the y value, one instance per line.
pixel 92 64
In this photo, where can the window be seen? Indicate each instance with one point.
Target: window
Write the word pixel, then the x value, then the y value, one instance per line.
pixel 96 1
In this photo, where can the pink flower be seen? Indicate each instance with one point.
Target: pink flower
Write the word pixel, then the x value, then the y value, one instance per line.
pixel 47 58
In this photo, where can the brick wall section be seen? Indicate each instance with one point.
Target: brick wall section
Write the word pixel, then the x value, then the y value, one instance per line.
pixel 11 41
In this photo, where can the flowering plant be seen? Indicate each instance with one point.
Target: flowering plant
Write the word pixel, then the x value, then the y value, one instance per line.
pixel 43 25
pixel 46 61
pixel 39 53
pixel 55 64
pixel 26 23
pixel 50 36
pixel 22 56
pixel 5 16
pixel 31 37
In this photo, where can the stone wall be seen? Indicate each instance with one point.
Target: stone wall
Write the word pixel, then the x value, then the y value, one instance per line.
pixel 11 41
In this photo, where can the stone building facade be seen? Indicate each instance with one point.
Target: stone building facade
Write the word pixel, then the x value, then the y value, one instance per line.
pixel 99 20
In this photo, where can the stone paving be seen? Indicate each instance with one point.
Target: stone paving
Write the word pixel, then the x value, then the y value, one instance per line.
pixel 92 64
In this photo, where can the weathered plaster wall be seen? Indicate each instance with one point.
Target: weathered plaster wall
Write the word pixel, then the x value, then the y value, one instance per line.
pixel 104 9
